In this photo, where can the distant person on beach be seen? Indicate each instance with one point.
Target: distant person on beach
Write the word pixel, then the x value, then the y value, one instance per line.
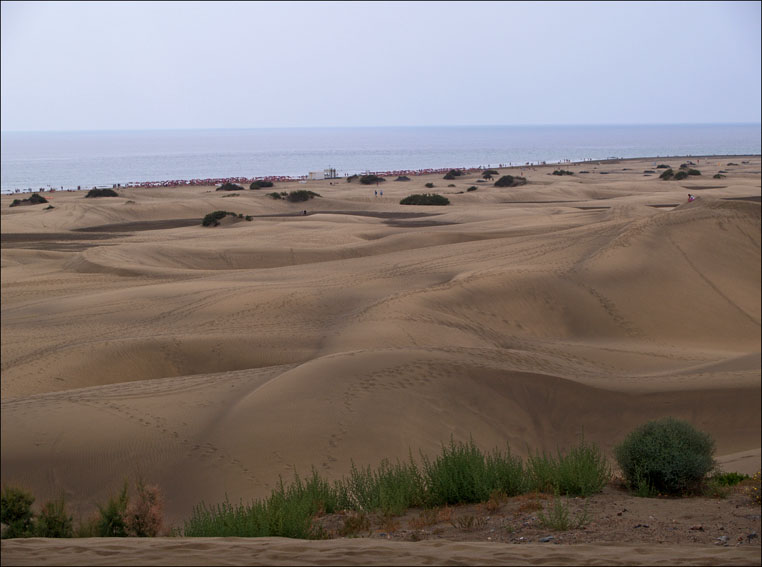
pixel 690 197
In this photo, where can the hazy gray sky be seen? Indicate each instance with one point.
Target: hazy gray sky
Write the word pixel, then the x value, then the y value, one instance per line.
pixel 136 65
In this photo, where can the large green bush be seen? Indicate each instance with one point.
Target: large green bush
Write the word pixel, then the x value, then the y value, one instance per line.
pixel 16 512
pixel 213 219
pixel 665 456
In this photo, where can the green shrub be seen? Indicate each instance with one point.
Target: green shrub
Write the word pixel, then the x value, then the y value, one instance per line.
pixel 371 179
pixel 425 199
pixel 16 513
pixel 429 185
pixel 277 195
pixel 730 479
pixel 667 174
pixel 101 193
pixel 472 188
pixel 113 516
pixel 259 184
pixel 457 476
pixel 213 219
pixel 402 178
pixel 562 172
pixel 682 174
pixel 352 178
pixel 663 166
pixel 301 195
pixel 452 174
pixel 718 176
pixel 581 472
pixel 694 172
pixel 489 173
pixel 53 520
pixel 229 187
pixel 510 181
pixel 392 489
pixel 557 517
pixel 451 185
pixel 665 456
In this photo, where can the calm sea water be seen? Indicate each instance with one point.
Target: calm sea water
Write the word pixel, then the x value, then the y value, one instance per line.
pixel 33 160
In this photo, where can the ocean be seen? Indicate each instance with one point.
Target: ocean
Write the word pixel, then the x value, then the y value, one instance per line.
pixel 35 160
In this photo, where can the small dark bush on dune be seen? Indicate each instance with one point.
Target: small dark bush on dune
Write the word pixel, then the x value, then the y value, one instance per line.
pixel 453 173
pixel 229 187
pixel 425 199
pixel 213 219
pixel 403 178
pixel 472 188
pixel 301 195
pixel 352 178
pixel 277 195
pixel 102 193
pixel 33 199
pixel 665 456
pixel 718 176
pixel 510 181
pixel 260 184
pixel 562 172
pixel 489 173
pixel 667 174
pixel 663 166
pixel 371 179
pixel 682 174
pixel 694 172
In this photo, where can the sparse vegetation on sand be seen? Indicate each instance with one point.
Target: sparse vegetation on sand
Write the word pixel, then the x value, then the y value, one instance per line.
pixel 461 473
pixel 101 193
pixel 489 173
pixel 229 187
pixel 33 199
pixel 402 178
pixel 663 166
pixel 667 174
pixel 425 199
pixel 510 181
pixel 562 172
pixel 259 184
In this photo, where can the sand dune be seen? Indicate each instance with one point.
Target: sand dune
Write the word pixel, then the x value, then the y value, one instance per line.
pixel 213 360
pixel 280 551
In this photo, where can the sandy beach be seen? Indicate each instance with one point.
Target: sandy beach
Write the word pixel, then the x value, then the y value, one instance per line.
pixel 212 360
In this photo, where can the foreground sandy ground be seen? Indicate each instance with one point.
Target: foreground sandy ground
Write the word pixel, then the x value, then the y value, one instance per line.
pixel 212 360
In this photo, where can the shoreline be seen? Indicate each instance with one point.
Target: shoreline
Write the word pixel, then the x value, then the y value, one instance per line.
pixel 415 172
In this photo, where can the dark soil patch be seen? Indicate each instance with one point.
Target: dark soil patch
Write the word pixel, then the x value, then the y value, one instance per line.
pixel 140 225
pixel 753 198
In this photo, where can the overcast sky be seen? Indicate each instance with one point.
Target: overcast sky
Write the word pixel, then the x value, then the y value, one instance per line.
pixel 154 65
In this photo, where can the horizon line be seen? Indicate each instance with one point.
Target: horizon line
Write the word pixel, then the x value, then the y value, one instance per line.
pixel 539 125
